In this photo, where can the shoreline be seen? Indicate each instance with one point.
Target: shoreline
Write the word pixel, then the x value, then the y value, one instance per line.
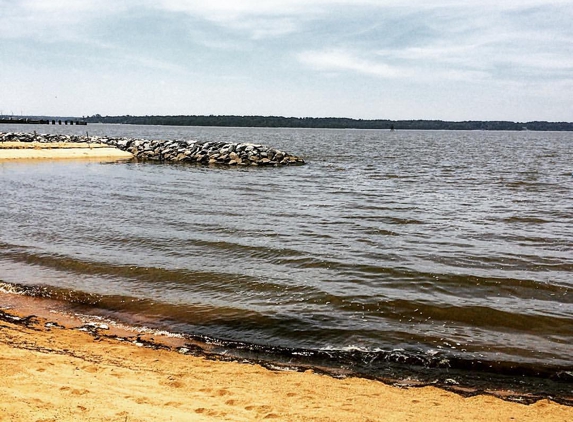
pixel 61 366
pixel 518 385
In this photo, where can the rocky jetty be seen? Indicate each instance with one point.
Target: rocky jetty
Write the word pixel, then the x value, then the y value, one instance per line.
pixel 223 153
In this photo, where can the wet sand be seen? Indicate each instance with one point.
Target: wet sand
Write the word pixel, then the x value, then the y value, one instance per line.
pixel 52 371
pixel 58 150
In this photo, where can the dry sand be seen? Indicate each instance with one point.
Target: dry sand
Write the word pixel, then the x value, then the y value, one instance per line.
pixel 62 374
pixel 58 150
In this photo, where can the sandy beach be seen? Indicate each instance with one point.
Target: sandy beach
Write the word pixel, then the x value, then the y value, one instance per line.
pixel 58 150
pixel 53 371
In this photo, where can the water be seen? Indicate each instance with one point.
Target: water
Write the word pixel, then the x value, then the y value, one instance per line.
pixel 432 248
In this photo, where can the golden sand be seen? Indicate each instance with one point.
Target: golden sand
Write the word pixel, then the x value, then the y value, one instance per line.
pixel 58 150
pixel 57 373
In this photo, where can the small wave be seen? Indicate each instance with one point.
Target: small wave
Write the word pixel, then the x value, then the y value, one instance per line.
pixel 12 289
pixel 424 367
pixel 525 219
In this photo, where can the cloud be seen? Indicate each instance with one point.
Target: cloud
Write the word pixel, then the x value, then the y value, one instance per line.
pixel 436 48
pixel 257 18
pixel 344 61
pixel 50 21
pixel 263 28
pixel 468 43
pixel 339 60
pixel 274 18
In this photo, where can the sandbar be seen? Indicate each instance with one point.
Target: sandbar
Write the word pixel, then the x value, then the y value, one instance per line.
pixel 59 150
pixel 55 372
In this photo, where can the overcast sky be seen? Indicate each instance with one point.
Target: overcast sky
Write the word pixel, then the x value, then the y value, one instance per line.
pixel 420 59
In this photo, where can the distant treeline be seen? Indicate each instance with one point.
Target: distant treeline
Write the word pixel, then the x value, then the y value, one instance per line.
pixel 327 123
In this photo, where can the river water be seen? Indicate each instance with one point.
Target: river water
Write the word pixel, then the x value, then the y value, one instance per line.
pixel 450 249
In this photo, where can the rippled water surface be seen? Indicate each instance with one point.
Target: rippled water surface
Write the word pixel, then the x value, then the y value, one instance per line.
pixel 450 243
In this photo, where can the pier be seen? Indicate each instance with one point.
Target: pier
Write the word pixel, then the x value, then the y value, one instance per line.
pixel 27 121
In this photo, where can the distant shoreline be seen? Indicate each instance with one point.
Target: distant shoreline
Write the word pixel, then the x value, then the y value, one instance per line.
pixel 312 122
pixel 329 123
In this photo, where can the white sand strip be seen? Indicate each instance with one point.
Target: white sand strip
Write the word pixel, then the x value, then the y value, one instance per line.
pixel 35 150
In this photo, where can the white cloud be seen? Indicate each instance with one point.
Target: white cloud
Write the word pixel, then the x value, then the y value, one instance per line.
pixel 290 7
pixel 339 60
pixel 271 18
pixel 344 61
pixel 261 28
pixel 257 18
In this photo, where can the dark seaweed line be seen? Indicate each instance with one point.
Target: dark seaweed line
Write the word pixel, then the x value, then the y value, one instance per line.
pixel 358 360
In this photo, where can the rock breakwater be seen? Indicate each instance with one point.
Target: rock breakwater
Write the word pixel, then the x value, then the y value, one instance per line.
pixel 191 151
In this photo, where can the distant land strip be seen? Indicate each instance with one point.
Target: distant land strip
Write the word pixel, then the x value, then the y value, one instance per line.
pixel 321 122
pixel 328 123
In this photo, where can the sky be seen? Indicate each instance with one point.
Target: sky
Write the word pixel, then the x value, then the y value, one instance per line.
pixel 366 59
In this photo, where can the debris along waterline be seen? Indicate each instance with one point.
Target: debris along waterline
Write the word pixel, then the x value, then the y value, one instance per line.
pixel 191 151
